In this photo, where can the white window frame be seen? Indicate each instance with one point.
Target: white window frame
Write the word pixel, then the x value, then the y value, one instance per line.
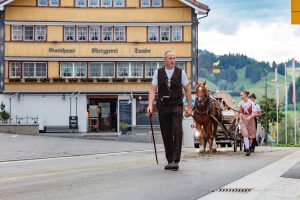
pixel 71 73
pixel 114 70
pixel 90 33
pixel 89 70
pixel 74 70
pixel 47 3
pixel 73 34
pixel 161 31
pixel 117 33
pixel 19 31
pixel 181 34
pixel 15 65
pixel 103 35
pixel 86 33
pixel 106 6
pixel 157 32
pixel 123 3
pixel 54 5
pixel 157 66
pixel 37 33
pixel 34 68
pixel 93 6
pixel 148 5
pixel 82 6
pixel 160 5
pixel 24 33
pixel 130 74
pixel 118 69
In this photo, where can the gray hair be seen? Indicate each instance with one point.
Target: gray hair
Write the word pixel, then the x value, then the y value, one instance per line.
pixel 168 51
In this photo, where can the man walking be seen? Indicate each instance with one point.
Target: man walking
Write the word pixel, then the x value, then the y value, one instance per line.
pixel 169 81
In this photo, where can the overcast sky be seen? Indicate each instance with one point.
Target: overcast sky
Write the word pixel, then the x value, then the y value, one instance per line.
pixel 260 29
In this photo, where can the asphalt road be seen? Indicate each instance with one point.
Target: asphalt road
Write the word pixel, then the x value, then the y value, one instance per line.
pixel 33 167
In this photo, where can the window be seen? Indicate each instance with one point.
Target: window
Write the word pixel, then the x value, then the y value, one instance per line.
pixel 145 3
pixel 123 69
pixel 119 33
pixel 15 70
pixel 150 68
pixel 17 33
pixel 71 70
pixel 81 3
pixel 94 3
pixel 82 33
pixel 37 70
pixel 79 70
pixel 66 70
pixel 95 70
pixel 164 34
pixel 176 33
pixel 43 2
pixel 108 70
pixel 156 3
pixel 142 117
pixel 180 65
pixel 40 70
pixel 54 3
pixel 94 33
pixel 136 69
pixel 152 33
pixel 107 33
pixel 48 2
pixel 28 33
pixel 69 32
pixel 40 33
pixel 106 3
pixel 119 3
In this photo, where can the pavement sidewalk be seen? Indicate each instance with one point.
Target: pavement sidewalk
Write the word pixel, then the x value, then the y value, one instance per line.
pixel 266 183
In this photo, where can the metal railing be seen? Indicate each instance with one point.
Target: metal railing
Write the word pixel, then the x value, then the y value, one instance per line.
pixel 22 120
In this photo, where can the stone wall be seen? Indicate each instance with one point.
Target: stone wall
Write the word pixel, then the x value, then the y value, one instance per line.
pixel 20 129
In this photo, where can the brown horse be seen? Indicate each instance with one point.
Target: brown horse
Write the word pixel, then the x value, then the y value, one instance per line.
pixel 205 110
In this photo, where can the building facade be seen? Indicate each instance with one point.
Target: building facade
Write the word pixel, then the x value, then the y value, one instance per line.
pixel 62 58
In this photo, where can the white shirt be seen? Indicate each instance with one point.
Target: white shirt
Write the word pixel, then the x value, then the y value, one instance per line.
pixel 246 105
pixel 169 72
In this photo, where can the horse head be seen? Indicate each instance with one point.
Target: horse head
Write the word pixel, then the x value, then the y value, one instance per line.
pixel 201 90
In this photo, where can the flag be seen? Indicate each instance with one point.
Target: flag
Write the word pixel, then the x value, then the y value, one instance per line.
pixel 216 63
pixel 294 84
pixel 277 93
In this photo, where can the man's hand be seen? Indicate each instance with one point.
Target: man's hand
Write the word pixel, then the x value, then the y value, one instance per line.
pixel 150 109
pixel 188 112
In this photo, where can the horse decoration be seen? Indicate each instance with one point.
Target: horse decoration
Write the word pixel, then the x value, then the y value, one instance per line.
pixel 207 113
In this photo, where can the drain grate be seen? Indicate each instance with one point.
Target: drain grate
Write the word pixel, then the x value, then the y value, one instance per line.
pixel 234 189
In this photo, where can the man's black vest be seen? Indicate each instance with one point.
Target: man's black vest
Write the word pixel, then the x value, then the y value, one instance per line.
pixel 169 91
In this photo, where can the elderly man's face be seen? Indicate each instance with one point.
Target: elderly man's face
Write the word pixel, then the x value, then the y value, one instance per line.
pixel 170 59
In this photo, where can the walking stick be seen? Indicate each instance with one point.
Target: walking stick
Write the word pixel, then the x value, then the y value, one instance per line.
pixel 151 124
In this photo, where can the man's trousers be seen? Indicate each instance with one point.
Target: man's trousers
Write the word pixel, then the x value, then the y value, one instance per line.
pixel 170 119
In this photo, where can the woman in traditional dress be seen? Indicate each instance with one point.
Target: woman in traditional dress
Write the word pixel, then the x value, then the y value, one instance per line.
pixel 246 117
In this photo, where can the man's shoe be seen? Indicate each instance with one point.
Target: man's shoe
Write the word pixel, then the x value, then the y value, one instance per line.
pixel 248 152
pixel 174 166
pixel 168 166
pixel 252 150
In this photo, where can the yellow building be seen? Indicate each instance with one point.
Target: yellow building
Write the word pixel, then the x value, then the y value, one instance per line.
pixel 295 8
pixel 58 57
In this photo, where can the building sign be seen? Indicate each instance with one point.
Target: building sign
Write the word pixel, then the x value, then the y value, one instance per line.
pixel 125 115
pixel 73 122
pixel 61 50
pixel 136 50
pixel 104 51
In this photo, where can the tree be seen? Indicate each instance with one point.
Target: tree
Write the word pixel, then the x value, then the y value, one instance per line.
pixel 3 114
pixel 268 109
